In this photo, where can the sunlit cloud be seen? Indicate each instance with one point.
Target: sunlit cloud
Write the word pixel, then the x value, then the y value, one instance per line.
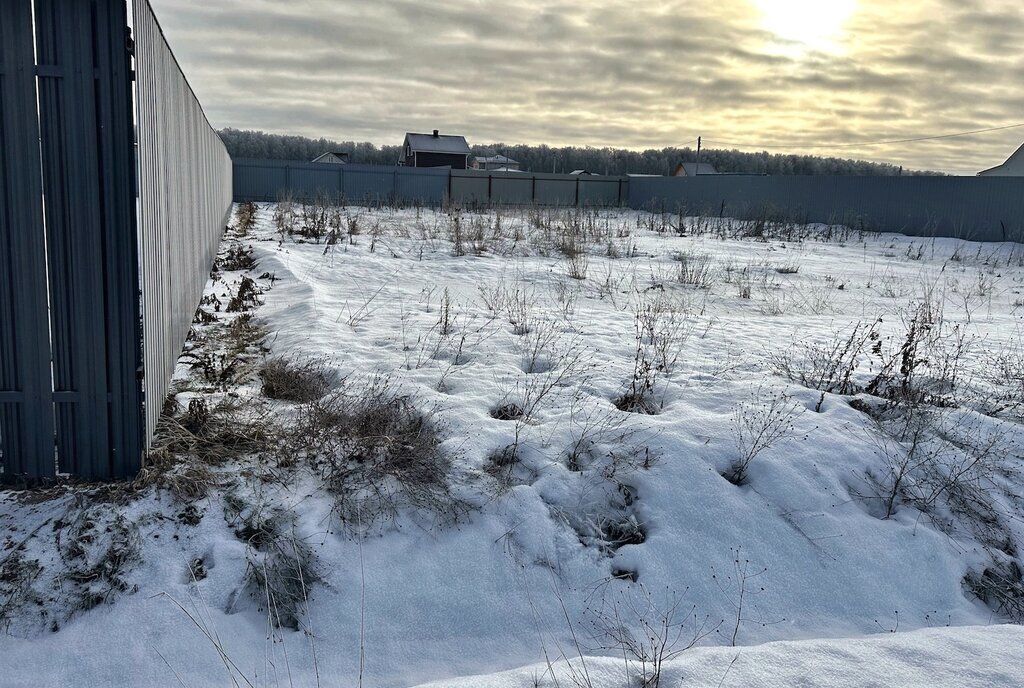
pixel 618 73
pixel 806 24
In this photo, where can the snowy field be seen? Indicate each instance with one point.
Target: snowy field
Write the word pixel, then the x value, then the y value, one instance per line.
pixel 615 448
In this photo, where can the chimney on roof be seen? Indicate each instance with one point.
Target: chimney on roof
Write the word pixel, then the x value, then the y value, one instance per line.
pixel 435 133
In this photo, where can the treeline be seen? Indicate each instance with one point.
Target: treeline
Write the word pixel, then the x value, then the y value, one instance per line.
pixel 259 144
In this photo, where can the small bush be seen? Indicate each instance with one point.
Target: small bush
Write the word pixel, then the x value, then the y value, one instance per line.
pixel 378 453
pixel 245 298
pixel 300 382
pixel 281 565
pixel 696 269
pixel 245 217
pixel 1001 588
pixel 237 258
pixel 766 420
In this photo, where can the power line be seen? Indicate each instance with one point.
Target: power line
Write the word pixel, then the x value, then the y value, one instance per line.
pixel 867 143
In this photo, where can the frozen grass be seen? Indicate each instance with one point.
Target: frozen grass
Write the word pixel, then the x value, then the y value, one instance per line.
pixel 410 444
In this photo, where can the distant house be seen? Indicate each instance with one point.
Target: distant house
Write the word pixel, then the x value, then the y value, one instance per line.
pixel 332 158
pixel 497 163
pixel 694 169
pixel 584 173
pixel 435 150
pixel 1013 167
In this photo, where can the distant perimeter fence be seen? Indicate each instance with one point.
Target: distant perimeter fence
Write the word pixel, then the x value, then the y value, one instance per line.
pixel 76 262
pixel 977 208
pixel 269 180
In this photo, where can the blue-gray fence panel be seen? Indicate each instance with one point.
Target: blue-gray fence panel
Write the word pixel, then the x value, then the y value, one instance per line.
pixel 269 180
pixel 185 203
pixel 368 184
pixel 603 191
pixel 979 208
pixel 86 149
pixel 467 188
pixel 26 405
pixel 477 187
pixel 557 190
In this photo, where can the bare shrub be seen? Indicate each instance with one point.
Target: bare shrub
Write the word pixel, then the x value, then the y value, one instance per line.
pixel 696 269
pixel 666 327
pixel 648 632
pixel 214 434
pixel 98 551
pixel 246 297
pixel 523 401
pixel 577 265
pixel 236 258
pixel 602 439
pixel 759 425
pixel 281 566
pixel 1001 587
pixel 828 367
pixel 926 367
pixel 931 455
pixel 378 453
pixel 640 397
pixel 245 217
pixel 740 585
pixel 292 380
pixel 495 297
pixel 446 319
pixel 285 215
pixel 519 310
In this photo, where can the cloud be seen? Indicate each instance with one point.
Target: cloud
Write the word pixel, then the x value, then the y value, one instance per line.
pixel 610 73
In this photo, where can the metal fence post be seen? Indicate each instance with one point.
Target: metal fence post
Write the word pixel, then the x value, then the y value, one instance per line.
pixel 26 405
pixel 88 158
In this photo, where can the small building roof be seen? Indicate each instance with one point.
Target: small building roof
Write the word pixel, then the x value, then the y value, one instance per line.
pixel 587 173
pixel 496 160
pixel 437 143
pixel 1016 155
pixel 693 169
pixel 338 154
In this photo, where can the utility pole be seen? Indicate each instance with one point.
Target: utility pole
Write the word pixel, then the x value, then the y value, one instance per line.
pixel 697 170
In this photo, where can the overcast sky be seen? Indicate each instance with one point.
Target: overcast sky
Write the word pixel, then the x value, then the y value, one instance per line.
pixel 784 75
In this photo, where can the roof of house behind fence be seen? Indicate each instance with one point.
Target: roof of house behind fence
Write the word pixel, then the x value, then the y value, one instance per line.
pixel 495 159
pixel 442 143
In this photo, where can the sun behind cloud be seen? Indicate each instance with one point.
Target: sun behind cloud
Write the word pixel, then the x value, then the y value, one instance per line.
pixel 813 24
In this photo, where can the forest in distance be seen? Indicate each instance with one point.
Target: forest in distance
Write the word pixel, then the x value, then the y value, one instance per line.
pixel 543 158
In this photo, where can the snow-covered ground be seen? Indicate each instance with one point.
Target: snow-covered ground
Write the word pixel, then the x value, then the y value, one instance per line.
pixel 642 446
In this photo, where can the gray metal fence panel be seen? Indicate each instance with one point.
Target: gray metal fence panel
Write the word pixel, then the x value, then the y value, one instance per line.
pixel 26 405
pixel 979 208
pixel 467 188
pixel 421 186
pixel 368 184
pixel 269 180
pixel 603 191
pixel 185 199
pixel 477 187
pixel 87 164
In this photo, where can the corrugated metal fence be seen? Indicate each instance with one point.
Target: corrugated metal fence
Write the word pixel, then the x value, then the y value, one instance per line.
pixel 981 208
pixel 475 187
pixel 26 395
pixel 71 360
pixel 978 208
pixel 185 199
pixel 270 180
